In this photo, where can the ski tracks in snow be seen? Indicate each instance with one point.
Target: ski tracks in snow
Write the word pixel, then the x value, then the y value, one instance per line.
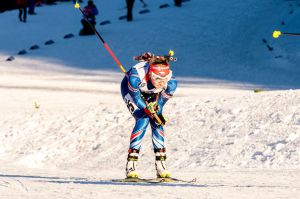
pixel 214 184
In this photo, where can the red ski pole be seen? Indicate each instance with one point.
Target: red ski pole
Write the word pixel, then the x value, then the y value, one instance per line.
pixel 102 40
pixel 114 57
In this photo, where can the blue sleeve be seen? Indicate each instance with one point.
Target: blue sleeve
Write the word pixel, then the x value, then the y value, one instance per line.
pixel 133 86
pixel 169 92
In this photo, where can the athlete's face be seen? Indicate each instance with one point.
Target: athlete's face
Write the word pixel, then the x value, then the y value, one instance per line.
pixel 157 81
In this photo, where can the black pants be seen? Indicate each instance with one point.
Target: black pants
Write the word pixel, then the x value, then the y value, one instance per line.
pixel 23 11
pixel 129 9
pixel 178 2
pixel 86 28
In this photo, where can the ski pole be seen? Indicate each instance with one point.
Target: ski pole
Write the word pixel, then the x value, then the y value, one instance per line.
pixel 277 33
pixel 102 40
pixel 113 56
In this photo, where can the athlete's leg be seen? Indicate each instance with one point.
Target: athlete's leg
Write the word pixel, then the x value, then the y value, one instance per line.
pixel 142 120
pixel 138 132
pixel 158 140
pixel 158 136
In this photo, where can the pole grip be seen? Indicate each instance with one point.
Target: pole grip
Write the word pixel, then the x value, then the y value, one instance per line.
pixel 154 114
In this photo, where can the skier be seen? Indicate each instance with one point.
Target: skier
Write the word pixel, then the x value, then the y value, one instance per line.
pixel 89 11
pixel 145 90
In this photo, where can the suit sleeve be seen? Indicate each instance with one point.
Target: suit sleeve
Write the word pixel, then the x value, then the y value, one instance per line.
pixel 169 92
pixel 133 86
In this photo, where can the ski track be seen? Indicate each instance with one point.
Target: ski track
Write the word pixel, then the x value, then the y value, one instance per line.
pixel 213 185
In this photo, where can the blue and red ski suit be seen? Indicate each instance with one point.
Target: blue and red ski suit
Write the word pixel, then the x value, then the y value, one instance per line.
pixel 133 86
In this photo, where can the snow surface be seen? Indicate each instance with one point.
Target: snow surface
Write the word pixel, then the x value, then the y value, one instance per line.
pixel 65 129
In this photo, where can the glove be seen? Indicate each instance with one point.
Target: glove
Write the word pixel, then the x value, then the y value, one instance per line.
pixel 164 120
pixel 152 107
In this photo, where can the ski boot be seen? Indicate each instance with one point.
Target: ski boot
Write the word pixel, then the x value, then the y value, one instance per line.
pixel 131 166
pixel 160 163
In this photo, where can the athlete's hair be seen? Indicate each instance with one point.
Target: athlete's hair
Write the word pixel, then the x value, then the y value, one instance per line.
pixel 143 57
pixel 159 60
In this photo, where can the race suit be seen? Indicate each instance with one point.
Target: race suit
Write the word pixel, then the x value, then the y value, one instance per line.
pixel 137 87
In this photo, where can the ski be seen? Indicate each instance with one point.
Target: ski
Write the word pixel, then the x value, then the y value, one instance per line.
pixel 174 180
pixel 136 180
pixel 154 180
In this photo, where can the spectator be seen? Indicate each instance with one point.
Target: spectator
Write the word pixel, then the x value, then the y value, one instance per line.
pixel 129 9
pixel 178 3
pixel 89 19
pixel 31 7
pixel 22 5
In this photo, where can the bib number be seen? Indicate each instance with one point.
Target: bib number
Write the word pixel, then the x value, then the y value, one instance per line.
pixel 130 105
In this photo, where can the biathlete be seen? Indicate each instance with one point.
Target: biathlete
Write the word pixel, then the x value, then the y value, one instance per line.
pixel 146 88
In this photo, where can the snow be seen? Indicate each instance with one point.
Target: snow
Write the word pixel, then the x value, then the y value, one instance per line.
pixel 65 129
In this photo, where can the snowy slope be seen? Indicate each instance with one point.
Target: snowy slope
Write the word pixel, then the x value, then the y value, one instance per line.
pixel 211 39
pixel 64 126
pixel 61 138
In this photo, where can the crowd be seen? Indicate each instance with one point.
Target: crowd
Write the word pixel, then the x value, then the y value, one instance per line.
pixel 89 11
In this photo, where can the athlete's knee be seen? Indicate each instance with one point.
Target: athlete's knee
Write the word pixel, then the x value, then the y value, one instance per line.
pixel 143 122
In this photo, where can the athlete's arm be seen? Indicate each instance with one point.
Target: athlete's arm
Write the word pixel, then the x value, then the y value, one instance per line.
pixel 133 85
pixel 171 88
